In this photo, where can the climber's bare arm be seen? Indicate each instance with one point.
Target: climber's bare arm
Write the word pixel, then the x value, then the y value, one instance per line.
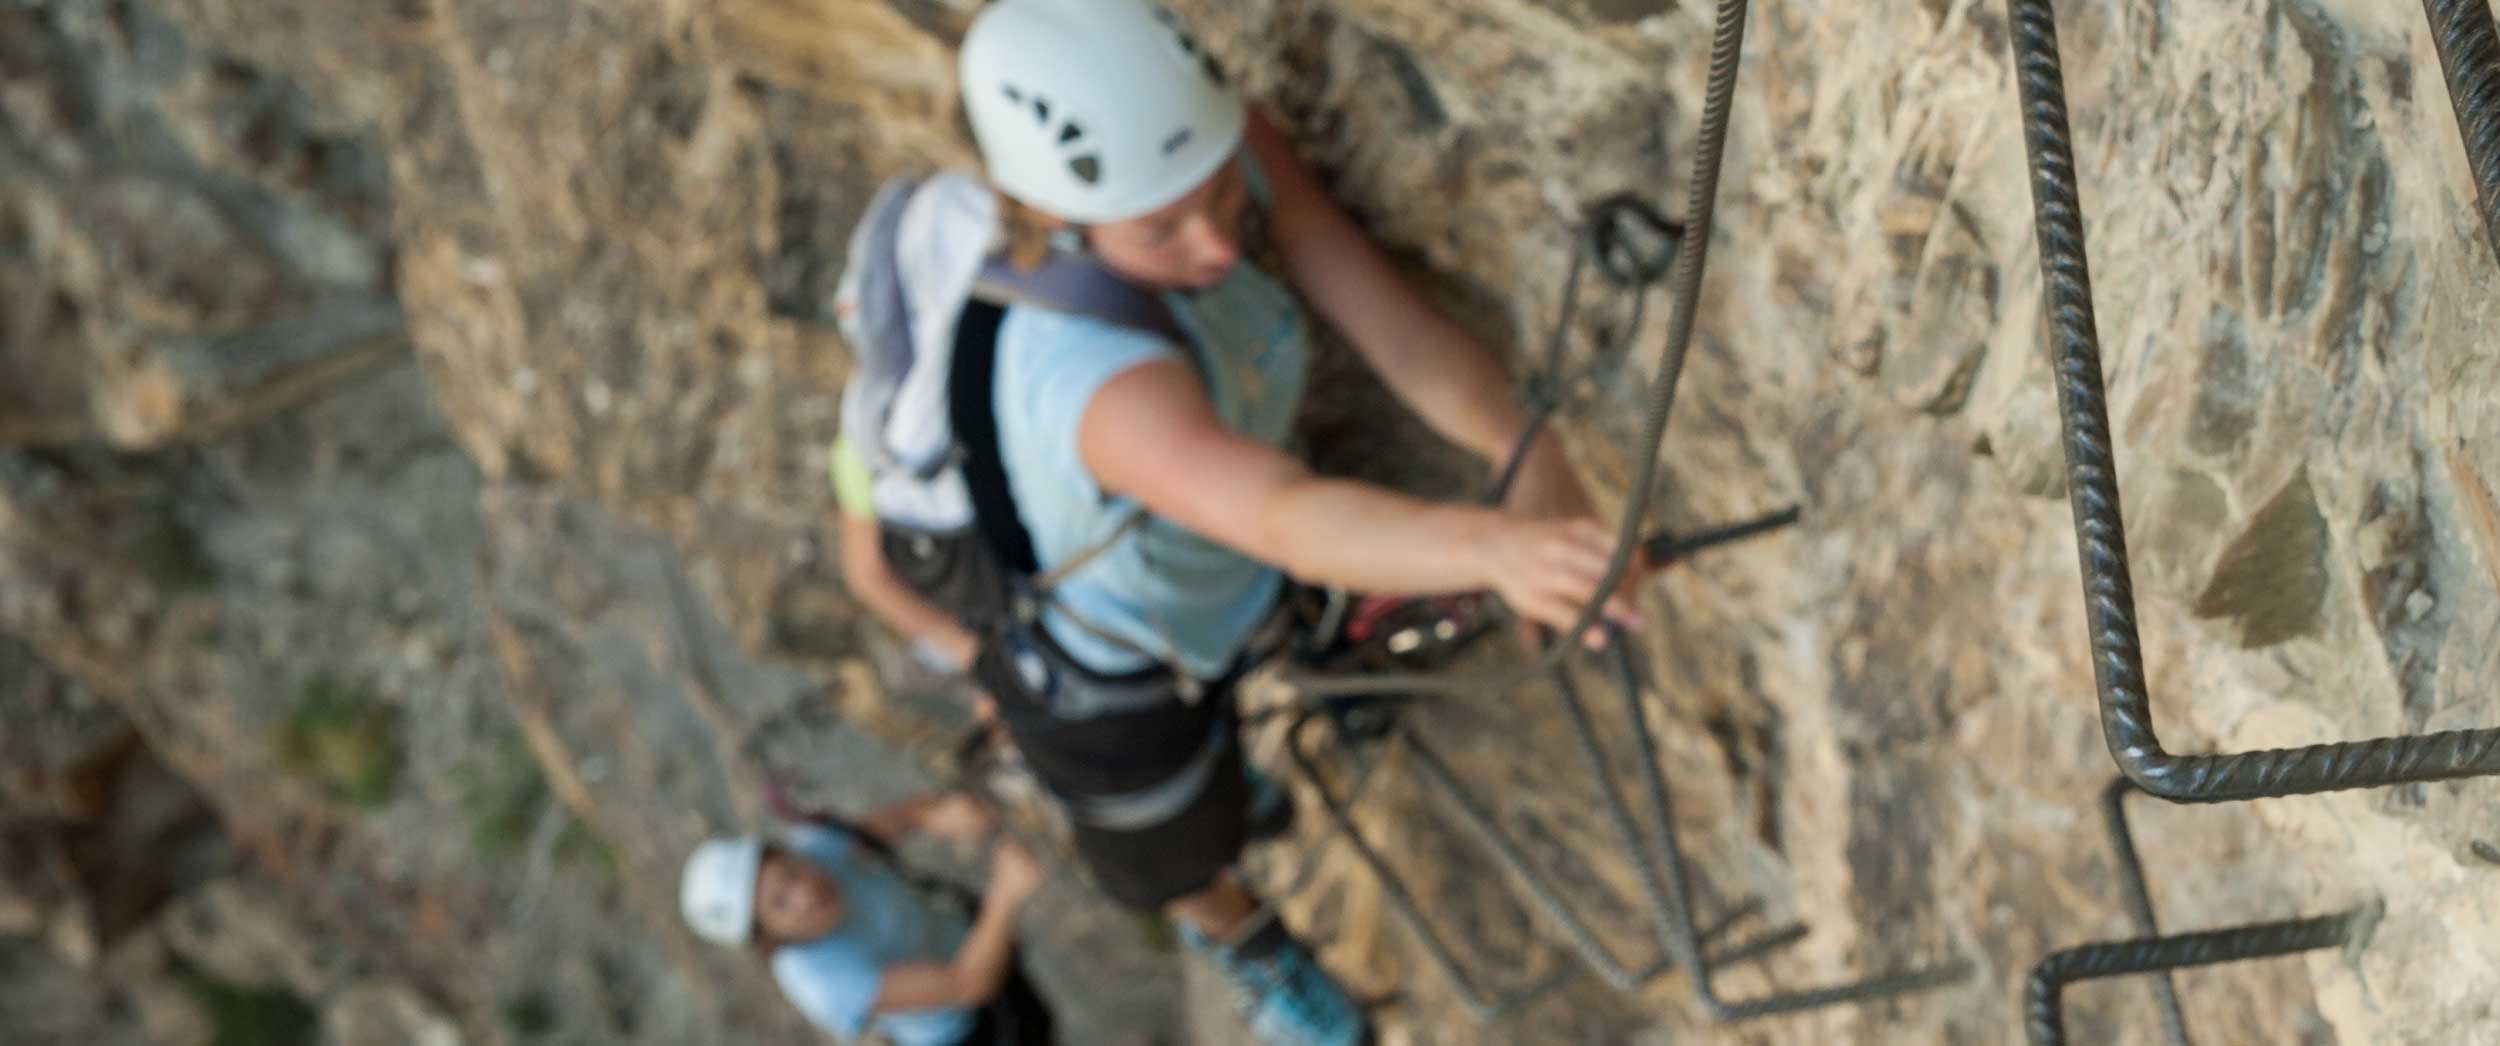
pixel 872 581
pixel 1149 433
pixel 1426 360
pixel 981 963
pixel 952 815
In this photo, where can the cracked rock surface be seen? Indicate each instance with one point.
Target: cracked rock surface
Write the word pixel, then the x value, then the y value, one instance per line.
pixel 413 532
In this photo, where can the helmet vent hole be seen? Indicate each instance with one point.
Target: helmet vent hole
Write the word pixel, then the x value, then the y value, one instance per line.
pixel 1014 97
pixel 1041 109
pixel 1086 168
pixel 1071 132
pixel 1213 71
pixel 1178 139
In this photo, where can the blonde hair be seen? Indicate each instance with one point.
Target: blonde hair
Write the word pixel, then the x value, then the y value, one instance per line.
pixel 1025 231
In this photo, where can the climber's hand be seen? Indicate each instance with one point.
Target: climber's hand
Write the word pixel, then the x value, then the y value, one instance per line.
pixel 1546 570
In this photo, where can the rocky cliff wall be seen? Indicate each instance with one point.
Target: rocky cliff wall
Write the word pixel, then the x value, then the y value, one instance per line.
pixel 577 553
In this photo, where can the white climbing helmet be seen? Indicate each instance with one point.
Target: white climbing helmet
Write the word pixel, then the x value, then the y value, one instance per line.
pixel 1095 110
pixel 718 891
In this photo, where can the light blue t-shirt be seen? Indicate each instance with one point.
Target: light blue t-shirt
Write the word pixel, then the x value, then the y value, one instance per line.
pixel 834 979
pixel 1163 588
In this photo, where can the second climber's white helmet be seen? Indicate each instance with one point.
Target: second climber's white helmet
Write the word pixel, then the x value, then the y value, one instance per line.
pixel 717 894
pixel 1095 110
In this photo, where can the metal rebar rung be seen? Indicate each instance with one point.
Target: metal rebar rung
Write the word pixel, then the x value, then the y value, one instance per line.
pixel 2092 490
pixel 2042 997
pixel 1665 548
pixel 1485 1006
pixel 1644 856
pixel 1482 1006
pixel 2155 955
pixel 2140 903
pixel 1306 870
pixel 2469 52
pixel 1683 939
pixel 1548 899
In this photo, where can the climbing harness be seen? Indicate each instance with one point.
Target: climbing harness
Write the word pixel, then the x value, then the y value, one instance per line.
pixel 2469 52
pixel 2155 955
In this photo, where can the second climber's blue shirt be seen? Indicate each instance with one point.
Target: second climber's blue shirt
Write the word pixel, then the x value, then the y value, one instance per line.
pixel 834 979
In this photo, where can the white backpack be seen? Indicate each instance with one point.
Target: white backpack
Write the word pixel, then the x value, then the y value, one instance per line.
pixel 920 299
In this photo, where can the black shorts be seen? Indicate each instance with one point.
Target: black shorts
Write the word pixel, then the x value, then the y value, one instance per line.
pixel 1122 753
pixel 1147 868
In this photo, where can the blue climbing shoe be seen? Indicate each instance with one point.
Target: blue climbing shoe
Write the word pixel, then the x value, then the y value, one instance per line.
pixel 1281 992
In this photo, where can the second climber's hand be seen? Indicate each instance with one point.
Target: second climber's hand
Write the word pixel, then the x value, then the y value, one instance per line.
pixel 949 650
pixel 1014 872
pixel 957 815
pixel 1547 569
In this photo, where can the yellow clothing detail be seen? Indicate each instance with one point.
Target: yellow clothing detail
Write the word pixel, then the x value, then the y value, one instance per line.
pixel 850 479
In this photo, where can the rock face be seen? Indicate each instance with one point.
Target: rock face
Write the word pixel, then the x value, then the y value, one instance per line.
pixel 413 416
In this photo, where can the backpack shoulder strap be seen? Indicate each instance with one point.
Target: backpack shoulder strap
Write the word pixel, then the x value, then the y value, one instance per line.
pixel 968 397
pixel 1068 284
pixel 1079 286
pixel 994 515
pixel 969 393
